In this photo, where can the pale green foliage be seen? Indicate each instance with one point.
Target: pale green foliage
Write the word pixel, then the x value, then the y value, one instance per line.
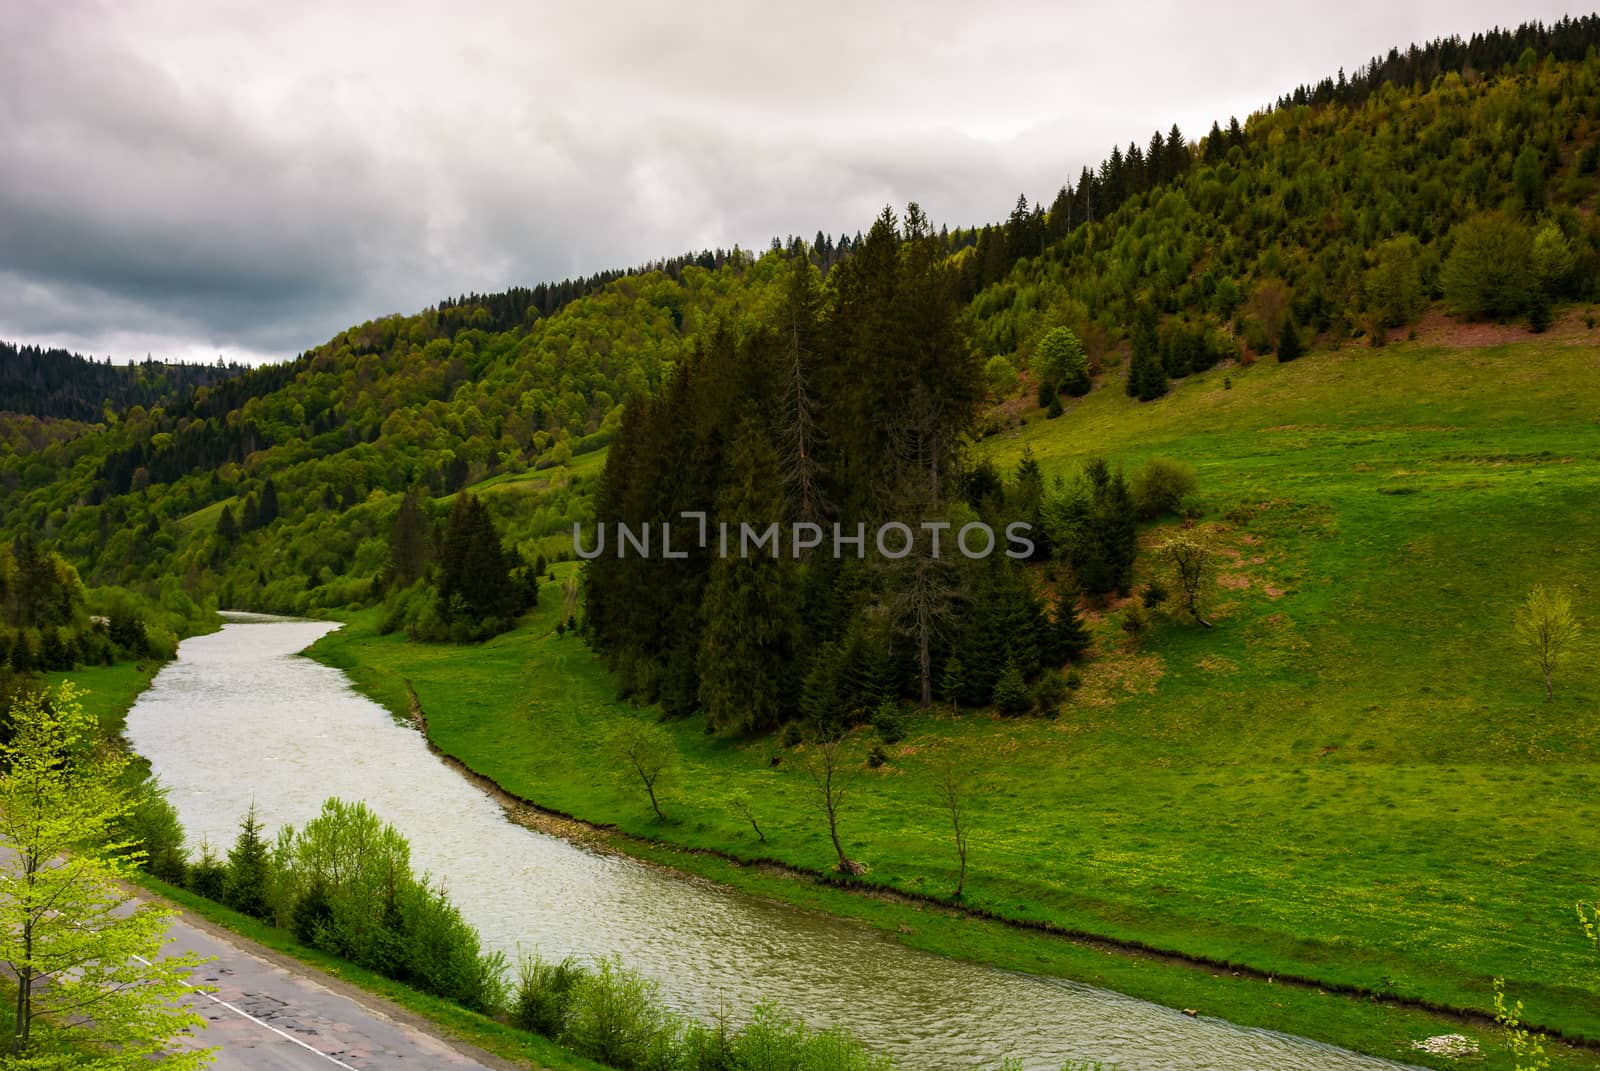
pixel 94 971
pixel 1525 1046
pixel 1001 377
pixel 615 1016
pixel 1589 919
pixel 644 753
pixel 1060 361
pixel 344 883
pixel 1553 260
pixel 1546 628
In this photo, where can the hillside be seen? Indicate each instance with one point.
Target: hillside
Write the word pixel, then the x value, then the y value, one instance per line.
pixel 1334 212
pixel 1355 335
pixel 1352 778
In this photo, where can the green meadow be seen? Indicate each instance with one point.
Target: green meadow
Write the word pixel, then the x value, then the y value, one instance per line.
pixel 1352 780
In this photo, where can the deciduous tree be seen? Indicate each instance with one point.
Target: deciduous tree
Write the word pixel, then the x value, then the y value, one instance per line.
pixel 79 958
pixel 1547 630
pixel 645 754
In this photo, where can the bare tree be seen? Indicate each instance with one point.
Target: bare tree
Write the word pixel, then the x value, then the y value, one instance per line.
pixel 832 775
pixel 646 754
pixel 742 807
pixel 925 588
pixel 798 433
pixel 953 789
pixel 1546 627
pixel 1193 565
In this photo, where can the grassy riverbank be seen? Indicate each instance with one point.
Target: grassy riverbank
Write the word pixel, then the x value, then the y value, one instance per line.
pixel 1353 779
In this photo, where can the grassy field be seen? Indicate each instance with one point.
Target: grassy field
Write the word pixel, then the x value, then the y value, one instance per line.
pixel 1353 778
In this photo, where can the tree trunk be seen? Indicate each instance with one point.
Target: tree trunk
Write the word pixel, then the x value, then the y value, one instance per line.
pixel 649 786
pixel 925 660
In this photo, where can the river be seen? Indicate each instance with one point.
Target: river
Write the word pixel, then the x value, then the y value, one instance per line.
pixel 238 717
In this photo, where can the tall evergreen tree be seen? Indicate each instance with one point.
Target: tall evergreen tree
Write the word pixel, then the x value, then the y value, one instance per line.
pixel 747 605
pixel 410 541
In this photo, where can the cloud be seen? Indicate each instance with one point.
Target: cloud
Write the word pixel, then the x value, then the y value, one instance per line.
pixel 249 179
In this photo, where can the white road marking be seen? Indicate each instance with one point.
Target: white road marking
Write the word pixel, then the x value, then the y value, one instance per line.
pixel 335 1061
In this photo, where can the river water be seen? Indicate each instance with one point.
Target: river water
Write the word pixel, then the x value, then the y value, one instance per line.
pixel 239 718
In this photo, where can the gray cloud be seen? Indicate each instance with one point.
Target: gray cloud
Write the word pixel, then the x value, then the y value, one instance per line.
pixel 188 179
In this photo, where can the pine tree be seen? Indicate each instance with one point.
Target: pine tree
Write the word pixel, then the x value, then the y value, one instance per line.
pixel 1065 639
pixel 1011 690
pixel 410 542
pixel 747 606
pixel 1289 344
pixel 475 585
pixel 952 682
pixel 269 504
pixel 249 870
pixel 227 528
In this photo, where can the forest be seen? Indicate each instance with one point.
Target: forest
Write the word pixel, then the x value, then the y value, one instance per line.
pixel 1451 175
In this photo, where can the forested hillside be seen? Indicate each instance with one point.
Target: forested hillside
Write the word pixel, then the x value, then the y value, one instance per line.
pixel 57 384
pixel 1456 175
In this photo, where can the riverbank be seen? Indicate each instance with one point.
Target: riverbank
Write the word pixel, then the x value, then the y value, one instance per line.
pixel 526 715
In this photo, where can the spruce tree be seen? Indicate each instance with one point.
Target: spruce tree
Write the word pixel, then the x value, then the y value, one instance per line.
pixel 1289 344
pixel 1064 638
pixel 249 870
pixel 227 528
pixel 952 682
pixel 1011 690
pixel 746 607
pixel 410 541
pixel 269 504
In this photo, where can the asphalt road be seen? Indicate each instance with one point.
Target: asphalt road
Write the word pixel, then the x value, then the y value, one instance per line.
pixel 268 1013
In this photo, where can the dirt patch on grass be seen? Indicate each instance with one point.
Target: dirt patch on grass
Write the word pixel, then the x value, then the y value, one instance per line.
pixel 1438 328
pixel 1116 676
pixel 1218 664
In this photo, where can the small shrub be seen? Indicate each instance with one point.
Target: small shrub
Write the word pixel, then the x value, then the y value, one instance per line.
pixel 793 735
pixel 542 994
pixel 615 1016
pixel 1048 692
pixel 889 723
pixel 1154 595
pixel 1136 623
pixel 877 756
pixel 1161 486
pixel 1074 680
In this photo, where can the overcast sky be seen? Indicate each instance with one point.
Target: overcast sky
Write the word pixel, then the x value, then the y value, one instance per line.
pixel 247 178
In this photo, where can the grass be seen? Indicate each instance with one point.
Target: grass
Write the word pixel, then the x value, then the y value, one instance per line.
pixel 1353 779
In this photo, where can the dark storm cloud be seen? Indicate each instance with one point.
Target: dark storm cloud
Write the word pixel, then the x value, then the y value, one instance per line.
pixel 247 178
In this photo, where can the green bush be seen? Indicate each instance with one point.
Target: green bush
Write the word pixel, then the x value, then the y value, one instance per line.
pixel 1161 486
pixel 153 824
pixel 615 1016
pixel 542 994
